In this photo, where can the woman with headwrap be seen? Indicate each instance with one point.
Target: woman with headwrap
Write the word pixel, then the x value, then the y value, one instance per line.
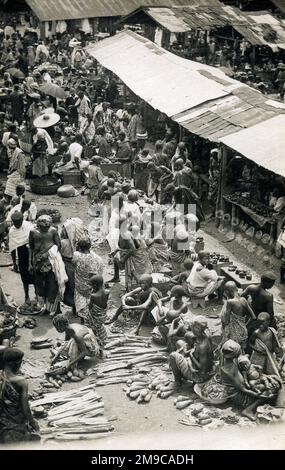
pixel 16 420
pixel 231 384
pixel 198 366
pixel 157 248
pixel 86 264
pixel 17 168
pixel 72 231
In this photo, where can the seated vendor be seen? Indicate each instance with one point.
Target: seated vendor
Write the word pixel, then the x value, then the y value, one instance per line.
pixel 202 281
pixel 176 307
pixel 143 298
pixel 16 420
pixel 80 342
pixel 183 276
pixel 235 389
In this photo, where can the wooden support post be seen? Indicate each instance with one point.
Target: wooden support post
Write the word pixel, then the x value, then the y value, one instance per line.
pixel 253 57
pixel 220 206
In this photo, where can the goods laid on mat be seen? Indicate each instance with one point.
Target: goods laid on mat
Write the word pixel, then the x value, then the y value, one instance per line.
pixel 73 415
pixel 124 355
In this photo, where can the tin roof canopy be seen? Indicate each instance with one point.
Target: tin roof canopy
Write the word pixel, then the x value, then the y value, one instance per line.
pixel 200 98
pixel 48 10
pixel 259 28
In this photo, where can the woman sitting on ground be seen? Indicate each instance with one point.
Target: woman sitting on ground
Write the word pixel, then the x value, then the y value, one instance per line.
pixel 16 420
pixel 232 384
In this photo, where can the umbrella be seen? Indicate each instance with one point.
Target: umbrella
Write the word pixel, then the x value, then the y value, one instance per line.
pixel 15 73
pixel 54 90
pixel 46 120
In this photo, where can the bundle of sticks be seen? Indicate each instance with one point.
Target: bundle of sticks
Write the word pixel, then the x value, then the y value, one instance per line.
pixel 74 415
pixel 124 355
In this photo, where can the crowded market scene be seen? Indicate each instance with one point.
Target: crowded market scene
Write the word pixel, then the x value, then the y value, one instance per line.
pixel 142 223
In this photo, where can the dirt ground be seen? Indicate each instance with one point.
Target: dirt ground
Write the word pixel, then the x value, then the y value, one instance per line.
pixel 154 425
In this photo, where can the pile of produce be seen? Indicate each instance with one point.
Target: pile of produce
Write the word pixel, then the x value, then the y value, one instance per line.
pixel 124 354
pixel 213 391
pixel 73 415
pixel 57 375
pixel 199 415
pixel 29 309
pixel 138 389
pixel 163 385
pixel 182 402
pixel 142 388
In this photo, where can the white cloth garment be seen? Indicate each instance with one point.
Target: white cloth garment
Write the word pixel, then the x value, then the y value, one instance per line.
pixel 19 236
pixel 58 268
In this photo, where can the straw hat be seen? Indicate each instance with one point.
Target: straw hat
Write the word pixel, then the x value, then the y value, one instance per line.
pixel 46 120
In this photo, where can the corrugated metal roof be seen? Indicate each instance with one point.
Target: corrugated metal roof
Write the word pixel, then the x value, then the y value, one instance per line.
pixel 47 10
pixel 244 108
pixel 263 143
pixel 154 73
pixel 259 28
pixel 232 113
pixel 200 98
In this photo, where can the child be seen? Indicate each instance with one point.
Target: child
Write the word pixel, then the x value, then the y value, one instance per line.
pixel 186 345
pixel 144 298
pixel 182 277
pixel 170 313
pixel 97 310
pixel 264 344
pixel 254 379
pixel 235 313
